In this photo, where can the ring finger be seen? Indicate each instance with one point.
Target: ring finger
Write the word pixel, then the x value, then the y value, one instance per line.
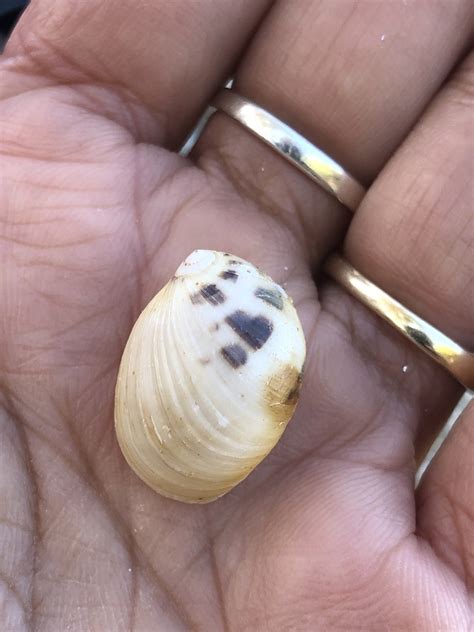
pixel 414 236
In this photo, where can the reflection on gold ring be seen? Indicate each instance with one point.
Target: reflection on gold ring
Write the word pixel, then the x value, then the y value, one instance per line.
pixel 292 146
pixel 437 345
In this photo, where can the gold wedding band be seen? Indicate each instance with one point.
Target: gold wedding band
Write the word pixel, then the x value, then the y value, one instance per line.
pixel 292 146
pixel 458 361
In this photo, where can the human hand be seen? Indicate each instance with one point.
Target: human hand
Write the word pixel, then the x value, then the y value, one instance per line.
pixel 96 212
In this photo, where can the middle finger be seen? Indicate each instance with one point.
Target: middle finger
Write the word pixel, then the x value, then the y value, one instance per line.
pixel 351 76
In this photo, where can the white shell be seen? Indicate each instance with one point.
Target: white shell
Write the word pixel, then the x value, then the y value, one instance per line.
pixel 209 377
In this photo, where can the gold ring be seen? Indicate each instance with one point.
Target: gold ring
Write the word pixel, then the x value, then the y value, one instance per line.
pixel 458 361
pixel 293 147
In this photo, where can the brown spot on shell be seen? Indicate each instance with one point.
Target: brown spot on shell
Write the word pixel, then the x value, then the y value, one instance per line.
pixel 254 330
pixel 282 393
pixel 196 298
pixel 235 355
pixel 229 275
pixel 212 294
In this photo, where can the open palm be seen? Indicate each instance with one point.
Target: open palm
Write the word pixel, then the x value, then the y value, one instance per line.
pixel 96 212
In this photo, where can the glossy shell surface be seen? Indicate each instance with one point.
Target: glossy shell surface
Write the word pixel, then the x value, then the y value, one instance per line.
pixel 209 377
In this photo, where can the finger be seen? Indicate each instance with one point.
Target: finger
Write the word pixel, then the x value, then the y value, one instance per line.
pixel 168 56
pixel 353 77
pixel 444 498
pixel 414 237
pixel 16 523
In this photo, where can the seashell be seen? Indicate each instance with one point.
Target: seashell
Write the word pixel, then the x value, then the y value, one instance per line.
pixel 209 378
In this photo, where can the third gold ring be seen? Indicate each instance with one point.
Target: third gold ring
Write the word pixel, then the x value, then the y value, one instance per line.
pixel 458 361
pixel 302 154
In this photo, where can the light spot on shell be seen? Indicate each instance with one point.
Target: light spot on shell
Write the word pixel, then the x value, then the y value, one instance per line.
pixel 222 421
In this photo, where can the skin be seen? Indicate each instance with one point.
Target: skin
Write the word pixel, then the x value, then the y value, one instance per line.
pixel 96 213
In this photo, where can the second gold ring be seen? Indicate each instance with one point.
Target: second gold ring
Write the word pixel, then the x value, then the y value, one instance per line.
pixel 457 360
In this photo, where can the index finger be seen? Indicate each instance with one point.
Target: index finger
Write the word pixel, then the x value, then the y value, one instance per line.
pixel 170 56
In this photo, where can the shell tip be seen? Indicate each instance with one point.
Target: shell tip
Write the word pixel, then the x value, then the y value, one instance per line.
pixel 197 261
